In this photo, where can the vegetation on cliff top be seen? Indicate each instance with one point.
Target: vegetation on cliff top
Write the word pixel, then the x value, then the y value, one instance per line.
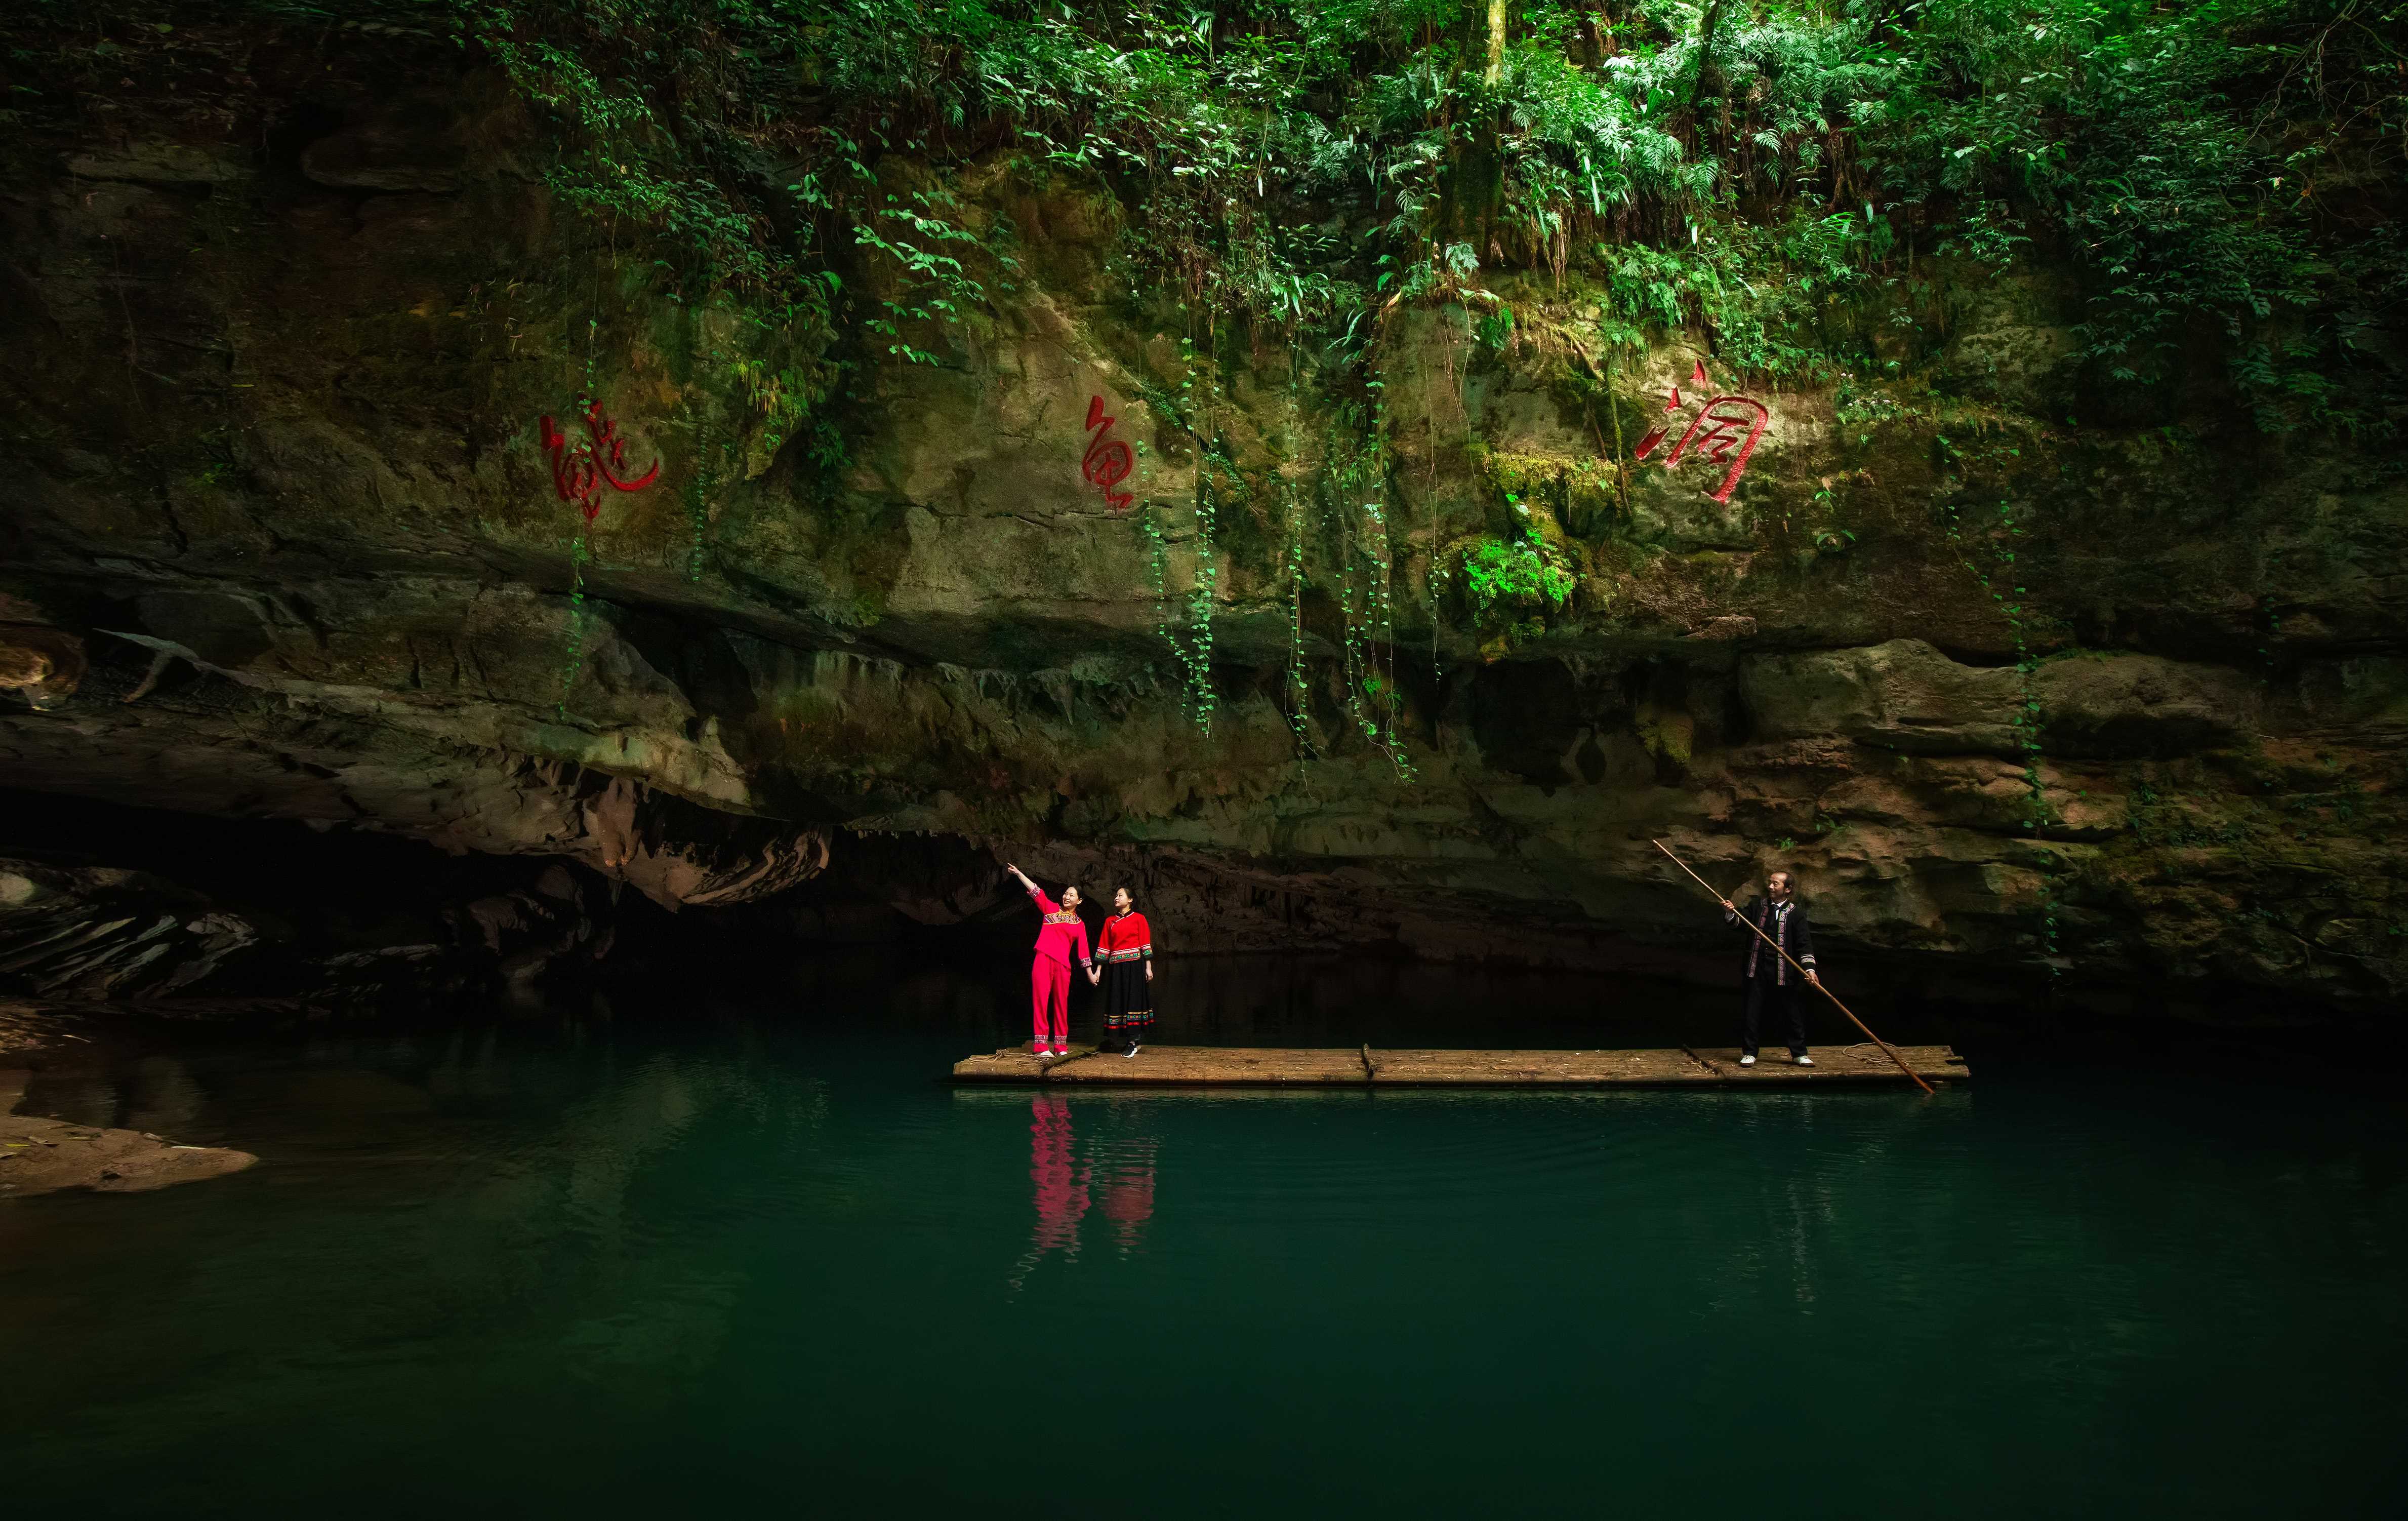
pixel 1781 176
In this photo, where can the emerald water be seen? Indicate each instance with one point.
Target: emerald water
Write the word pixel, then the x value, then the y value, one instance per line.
pixel 756 1255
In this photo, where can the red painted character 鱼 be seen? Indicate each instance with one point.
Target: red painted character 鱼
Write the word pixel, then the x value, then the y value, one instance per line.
pixel 1108 461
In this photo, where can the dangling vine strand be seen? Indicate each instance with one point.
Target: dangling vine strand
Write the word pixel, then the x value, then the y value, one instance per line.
pixel 579 553
pixel 1298 691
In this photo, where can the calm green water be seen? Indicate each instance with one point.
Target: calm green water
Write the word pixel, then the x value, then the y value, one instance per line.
pixel 757 1258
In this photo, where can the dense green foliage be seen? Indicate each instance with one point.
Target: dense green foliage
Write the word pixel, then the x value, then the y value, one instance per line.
pixel 1780 174
pixel 1788 178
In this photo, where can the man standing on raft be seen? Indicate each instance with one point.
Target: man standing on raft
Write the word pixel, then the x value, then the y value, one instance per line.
pixel 1049 974
pixel 1127 950
pixel 1769 979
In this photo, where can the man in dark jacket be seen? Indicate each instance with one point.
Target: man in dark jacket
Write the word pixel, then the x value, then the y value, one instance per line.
pixel 1772 981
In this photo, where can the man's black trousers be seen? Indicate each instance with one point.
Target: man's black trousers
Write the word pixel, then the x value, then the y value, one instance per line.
pixel 1782 1001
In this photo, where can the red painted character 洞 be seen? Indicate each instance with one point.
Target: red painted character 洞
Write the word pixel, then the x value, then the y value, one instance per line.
pixel 1720 420
pixel 1060 933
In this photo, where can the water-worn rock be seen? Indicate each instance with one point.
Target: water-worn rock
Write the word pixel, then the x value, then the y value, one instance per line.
pixel 79 934
pixel 42 1157
pixel 46 665
pixel 98 932
pixel 2139 707
pixel 1902 695
pixel 42 1154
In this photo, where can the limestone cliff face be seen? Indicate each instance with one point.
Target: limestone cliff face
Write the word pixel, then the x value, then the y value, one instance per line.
pixel 2014 668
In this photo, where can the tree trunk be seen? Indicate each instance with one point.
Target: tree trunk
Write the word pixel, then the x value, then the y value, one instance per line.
pixel 1705 51
pixel 1475 182
pixel 1596 34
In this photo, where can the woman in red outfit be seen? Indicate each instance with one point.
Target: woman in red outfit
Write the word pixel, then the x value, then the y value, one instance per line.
pixel 1049 976
pixel 1126 948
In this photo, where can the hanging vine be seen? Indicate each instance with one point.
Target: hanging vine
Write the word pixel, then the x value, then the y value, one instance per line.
pixel 579 553
pixel 1299 689
pixel 1158 562
pixel 697 502
pixel 573 660
pixel 2028 720
pixel 1186 622
pixel 1353 495
pixel 1196 648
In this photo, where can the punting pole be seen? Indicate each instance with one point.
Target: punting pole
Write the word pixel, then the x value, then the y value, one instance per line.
pixel 1801 971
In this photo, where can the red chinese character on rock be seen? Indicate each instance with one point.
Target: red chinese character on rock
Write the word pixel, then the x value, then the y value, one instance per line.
pixel 1109 461
pixel 1714 433
pixel 580 471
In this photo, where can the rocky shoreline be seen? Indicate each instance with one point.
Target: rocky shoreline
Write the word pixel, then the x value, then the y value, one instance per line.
pixel 41 1154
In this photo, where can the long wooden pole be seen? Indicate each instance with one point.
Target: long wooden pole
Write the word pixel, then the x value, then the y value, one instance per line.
pixel 1813 980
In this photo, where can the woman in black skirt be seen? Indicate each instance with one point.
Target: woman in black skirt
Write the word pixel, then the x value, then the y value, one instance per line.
pixel 1124 951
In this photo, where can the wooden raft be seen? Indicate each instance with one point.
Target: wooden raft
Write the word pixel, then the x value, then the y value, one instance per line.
pixel 1364 1067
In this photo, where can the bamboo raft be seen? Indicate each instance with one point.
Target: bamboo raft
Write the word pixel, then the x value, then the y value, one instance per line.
pixel 1363 1067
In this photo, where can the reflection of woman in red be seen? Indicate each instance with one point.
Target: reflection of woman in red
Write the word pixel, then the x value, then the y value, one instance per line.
pixel 1129 1196
pixel 1061 1188
pixel 1060 932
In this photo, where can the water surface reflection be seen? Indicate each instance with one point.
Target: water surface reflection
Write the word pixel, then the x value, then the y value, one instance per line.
pixel 648 1268
pixel 1118 1164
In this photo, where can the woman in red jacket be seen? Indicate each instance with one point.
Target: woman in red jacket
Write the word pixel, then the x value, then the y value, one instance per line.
pixel 1126 948
pixel 1049 976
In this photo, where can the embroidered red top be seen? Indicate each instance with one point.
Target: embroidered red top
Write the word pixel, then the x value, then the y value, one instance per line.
pixel 1059 930
pixel 1126 937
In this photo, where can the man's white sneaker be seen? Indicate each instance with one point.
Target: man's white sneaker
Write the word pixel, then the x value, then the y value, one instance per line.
pixel 1747 1061
pixel 1802 1061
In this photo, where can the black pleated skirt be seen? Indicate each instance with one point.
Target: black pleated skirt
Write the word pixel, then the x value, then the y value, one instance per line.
pixel 1128 998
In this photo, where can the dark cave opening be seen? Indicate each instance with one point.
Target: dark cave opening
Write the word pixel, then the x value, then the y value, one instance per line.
pixel 107 902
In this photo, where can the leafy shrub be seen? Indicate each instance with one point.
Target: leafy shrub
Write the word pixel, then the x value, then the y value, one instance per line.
pixel 1514 584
